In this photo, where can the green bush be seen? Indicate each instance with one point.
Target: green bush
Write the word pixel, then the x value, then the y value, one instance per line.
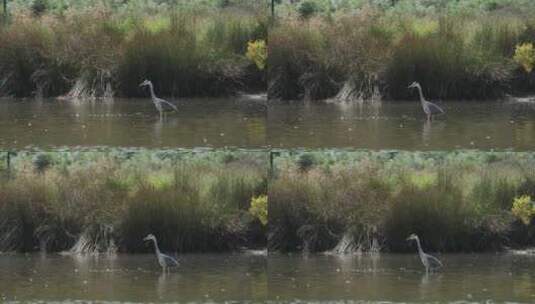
pixel 456 202
pixel 101 51
pixel 525 56
pixel 307 9
pixel 524 209
pixel 103 201
pixel 39 6
pixel 359 54
pixel 41 162
pixel 259 208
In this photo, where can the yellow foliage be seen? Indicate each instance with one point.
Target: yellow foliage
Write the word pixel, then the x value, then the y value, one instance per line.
pixel 524 208
pixel 525 56
pixel 257 53
pixel 425 27
pixel 156 25
pixel 259 208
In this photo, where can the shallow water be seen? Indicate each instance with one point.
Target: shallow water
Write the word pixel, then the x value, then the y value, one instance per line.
pixel 401 279
pixel 403 125
pixel 236 122
pixel 242 278
pixel 137 278
pixel 246 122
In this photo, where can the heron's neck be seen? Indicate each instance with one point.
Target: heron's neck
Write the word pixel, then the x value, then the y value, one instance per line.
pixel 420 250
pixel 152 90
pixel 156 248
pixel 421 100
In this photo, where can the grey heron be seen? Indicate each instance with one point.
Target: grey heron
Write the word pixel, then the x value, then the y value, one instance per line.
pixel 158 102
pixel 164 260
pixel 429 108
pixel 429 261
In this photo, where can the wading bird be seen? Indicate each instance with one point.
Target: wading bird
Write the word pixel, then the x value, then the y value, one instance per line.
pixel 429 108
pixel 164 260
pixel 160 104
pixel 429 261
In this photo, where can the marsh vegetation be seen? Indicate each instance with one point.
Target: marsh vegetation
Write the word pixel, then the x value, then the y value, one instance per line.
pixel 106 48
pixel 369 201
pixel 355 50
pixel 107 201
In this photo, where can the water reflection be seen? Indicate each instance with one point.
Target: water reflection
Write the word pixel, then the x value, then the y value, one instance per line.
pixel 401 278
pixel 131 122
pixel 165 283
pixel 216 278
pixel 402 125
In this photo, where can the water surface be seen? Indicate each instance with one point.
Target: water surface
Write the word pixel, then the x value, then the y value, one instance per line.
pixel 402 125
pixel 138 278
pixel 233 122
pixel 246 122
pixel 246 278
pixel 400 279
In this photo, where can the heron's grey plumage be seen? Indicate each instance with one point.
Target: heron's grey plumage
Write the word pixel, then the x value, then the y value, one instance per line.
pixel 429 261
pixel 429 108
pixel 163 259
pixel 158 102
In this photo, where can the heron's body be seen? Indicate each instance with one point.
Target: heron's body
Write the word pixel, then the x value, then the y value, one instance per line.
pixel 164 260
pixel 429 261
pixel 429 108
pixel 161 105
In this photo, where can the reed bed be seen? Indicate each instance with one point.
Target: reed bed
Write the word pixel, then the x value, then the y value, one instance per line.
pixel 100 50
pixel 369 201
pixel 367 51
pixel 90 202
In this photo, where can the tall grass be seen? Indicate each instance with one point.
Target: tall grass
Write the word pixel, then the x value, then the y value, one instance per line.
pixel 98 51
pixel 453 201
pixel 370 50
pixel 102 201
pixel 190 56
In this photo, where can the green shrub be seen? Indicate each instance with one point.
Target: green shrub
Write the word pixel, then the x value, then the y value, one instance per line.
pixel 103 201
pixel 41 162
pixel 305 162
pixel 39 6
pixel 307 9
pixel 453 201
pixel 525 56
pixel 257 53
pixel 259 208
pixel 101 52
pixel 360 54
pixel 524 209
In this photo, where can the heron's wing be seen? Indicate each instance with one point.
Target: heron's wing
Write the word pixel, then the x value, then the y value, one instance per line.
pixel 435 263
pixel 434 108
pixel 165 102
pixel 170 261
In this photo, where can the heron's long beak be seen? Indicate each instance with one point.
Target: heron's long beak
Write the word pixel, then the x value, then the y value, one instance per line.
pixel 146 238
pixel 141 84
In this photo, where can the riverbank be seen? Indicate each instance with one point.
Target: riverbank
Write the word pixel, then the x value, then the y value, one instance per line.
pixel 100 50
pixel 348 202
pixel 88 202
pixel 366 52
